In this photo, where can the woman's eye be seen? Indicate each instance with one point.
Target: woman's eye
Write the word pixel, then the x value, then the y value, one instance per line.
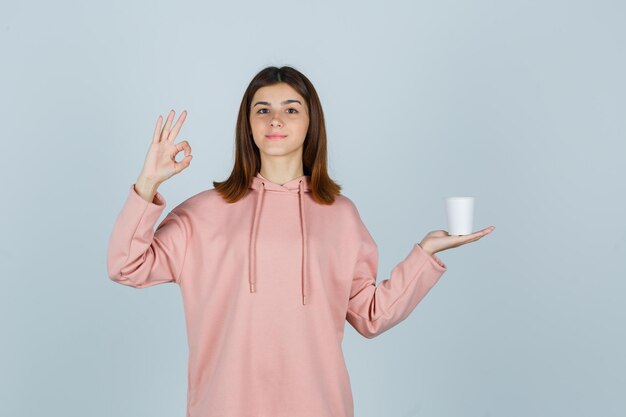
pixel 294 111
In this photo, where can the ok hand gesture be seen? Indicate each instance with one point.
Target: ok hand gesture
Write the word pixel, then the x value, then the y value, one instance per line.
pixel 160 163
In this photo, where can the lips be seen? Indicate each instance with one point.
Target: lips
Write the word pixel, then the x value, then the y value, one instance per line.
pixel 275 136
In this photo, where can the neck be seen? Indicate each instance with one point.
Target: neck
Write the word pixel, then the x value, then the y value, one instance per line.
pixel 281 173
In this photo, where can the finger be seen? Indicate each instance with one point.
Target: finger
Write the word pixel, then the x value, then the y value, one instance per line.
pixel 168 123
pixel 462 242
pixel 177 126
pixel 179 166
pixel 183 146
pixel 157 129
pixel 483 232
pixel 474 237
pixel 486 231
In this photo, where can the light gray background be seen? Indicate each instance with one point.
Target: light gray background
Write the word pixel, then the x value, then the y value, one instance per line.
pixel 518 103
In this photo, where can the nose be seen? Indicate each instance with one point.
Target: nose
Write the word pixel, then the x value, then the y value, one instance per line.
pixel 275 122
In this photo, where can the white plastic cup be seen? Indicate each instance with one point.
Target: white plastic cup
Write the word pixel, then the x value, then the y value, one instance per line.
pixel 460 212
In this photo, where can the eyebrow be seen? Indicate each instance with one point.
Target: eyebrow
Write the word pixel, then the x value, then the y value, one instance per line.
pixel 283 102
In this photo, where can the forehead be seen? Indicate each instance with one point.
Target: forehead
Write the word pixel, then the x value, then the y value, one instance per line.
pixel 276 93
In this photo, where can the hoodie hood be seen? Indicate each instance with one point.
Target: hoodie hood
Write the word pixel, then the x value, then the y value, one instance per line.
pixel 299 185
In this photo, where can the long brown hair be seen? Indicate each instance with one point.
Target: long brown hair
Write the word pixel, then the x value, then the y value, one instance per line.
pixel 247 158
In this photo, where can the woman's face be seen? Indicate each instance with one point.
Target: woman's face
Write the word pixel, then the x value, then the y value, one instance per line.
pixel 279 110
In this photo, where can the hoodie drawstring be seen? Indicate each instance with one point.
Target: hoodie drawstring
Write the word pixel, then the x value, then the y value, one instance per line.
pixel 304 239
pixel 255 226
pixel 252 249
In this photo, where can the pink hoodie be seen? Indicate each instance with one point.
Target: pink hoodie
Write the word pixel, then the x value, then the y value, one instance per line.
pixel 267 285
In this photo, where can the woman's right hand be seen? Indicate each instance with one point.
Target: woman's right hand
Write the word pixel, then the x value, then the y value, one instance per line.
pixel 160 163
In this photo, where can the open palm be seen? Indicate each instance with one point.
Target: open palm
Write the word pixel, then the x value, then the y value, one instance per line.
pixel 439 240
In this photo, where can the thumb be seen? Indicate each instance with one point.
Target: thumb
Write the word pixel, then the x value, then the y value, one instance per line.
pixel 440 233
pixel 179 166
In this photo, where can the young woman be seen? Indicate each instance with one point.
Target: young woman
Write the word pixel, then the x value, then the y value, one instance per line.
pixel 270 262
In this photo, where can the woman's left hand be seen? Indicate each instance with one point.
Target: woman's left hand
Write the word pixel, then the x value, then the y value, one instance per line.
pixel 440 240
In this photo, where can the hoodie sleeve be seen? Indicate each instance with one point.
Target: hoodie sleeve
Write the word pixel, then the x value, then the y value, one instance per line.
pixel 138 256
pixel 374 309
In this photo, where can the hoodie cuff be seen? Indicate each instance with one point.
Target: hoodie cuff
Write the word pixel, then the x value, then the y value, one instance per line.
pixel 158 200
pixel 434 260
